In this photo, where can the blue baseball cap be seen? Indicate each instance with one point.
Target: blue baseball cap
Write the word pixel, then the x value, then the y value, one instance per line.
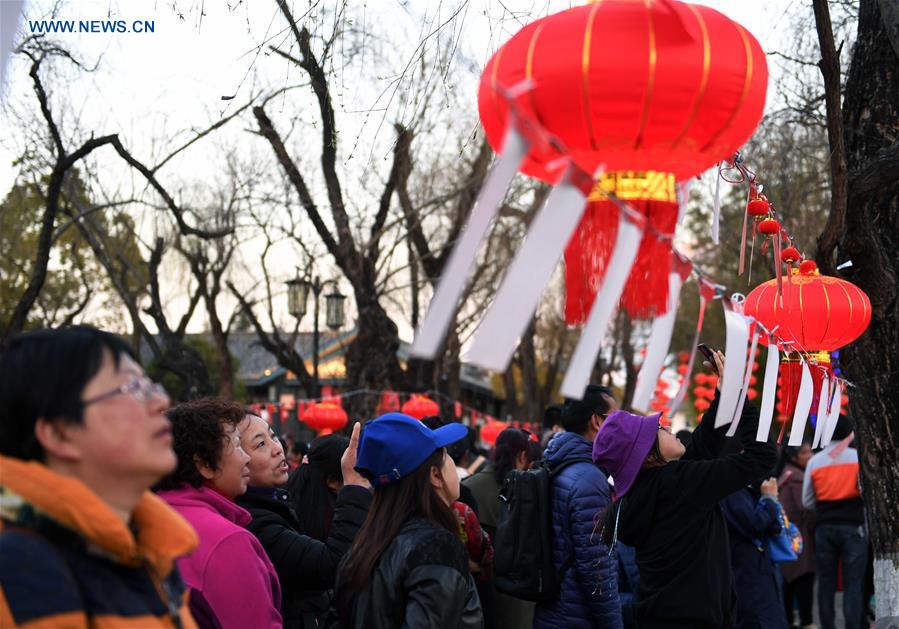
pixel 395 445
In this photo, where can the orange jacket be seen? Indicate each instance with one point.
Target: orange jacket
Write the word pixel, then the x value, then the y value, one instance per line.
pixel 67 561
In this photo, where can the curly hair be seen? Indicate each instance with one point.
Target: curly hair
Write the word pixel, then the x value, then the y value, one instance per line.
pixel 198 431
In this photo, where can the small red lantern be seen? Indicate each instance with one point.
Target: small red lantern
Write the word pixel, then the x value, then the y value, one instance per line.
pixel 490 431
pixel 758 207
pixel 325 417
pixel 808 267
pixel 421 406
pixel 769 227
pixel 390 402
pixel 752 394
pixel 790 255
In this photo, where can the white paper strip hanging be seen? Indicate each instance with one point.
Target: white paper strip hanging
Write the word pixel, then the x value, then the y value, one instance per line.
pixel 626 244
pixel 507 317
pixel 10 14
pixel 769 391
pixel 803 406
pixel 737 327
pixel 683 197
pixel 442 309
pixel 833 416
pixel 746 378
pixel 716 210
pixel 679 399
pixel 659 343
pixel 823 407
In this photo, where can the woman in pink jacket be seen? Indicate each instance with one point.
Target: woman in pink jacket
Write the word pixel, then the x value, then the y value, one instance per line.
pixel 232 582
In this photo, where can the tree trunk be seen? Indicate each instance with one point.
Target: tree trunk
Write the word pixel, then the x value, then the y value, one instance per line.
pixel 527 357
pixel 869 239
pixel 627 355
pixel 371 361
pixel 513 408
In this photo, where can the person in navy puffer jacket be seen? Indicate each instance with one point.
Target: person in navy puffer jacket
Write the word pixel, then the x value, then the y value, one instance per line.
pixel 588 597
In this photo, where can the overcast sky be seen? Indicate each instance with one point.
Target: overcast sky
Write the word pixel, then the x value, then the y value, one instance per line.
pixel 174 77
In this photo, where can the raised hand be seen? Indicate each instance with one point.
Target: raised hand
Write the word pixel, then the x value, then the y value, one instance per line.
pixel 348 461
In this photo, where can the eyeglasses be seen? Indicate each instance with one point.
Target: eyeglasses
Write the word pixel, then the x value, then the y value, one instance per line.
pixel 141 388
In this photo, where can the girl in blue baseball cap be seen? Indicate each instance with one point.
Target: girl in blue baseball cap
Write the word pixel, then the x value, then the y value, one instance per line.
pixel 667 508
pixel 407 566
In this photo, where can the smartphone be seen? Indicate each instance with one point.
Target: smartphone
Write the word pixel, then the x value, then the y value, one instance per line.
pixel 709 355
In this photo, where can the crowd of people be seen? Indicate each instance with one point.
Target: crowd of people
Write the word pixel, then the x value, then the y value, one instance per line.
pixel 118 509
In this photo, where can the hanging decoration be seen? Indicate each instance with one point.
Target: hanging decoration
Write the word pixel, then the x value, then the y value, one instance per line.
pixel 663 90
pixel 490 431
pixel 588 252
pixel 420 406
pixel 325 417
pixel 819 314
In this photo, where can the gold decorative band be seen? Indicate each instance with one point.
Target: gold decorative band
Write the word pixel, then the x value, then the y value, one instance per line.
pixel 650 185
pixel 818 358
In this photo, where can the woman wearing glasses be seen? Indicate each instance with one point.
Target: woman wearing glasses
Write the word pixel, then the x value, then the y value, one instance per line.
pixel 83 436
pixel 232 582
pixel 667 508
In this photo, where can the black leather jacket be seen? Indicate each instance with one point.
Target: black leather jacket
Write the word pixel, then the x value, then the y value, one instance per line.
pixel 306 567
pixel 420 582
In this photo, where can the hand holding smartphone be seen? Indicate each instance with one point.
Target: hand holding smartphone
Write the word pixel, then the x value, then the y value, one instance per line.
pixel 709 355
pixel 714 359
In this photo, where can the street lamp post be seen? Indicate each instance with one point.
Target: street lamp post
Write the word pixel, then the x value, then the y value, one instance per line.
pixel 297 295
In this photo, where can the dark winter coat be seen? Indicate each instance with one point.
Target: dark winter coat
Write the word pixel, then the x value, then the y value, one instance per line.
pixel 306 567
pixel 421 581
pixel 751 520
pixel 589 593
pixel 628 580
pixel 790 495
pixel 672 517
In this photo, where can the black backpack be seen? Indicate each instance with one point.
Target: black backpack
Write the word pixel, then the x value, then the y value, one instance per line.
pixel 523 559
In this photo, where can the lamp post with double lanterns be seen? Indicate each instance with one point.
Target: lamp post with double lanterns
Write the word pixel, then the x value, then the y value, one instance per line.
pixel 298 290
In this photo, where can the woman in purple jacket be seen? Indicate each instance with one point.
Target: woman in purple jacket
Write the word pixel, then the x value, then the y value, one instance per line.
pixel 232 582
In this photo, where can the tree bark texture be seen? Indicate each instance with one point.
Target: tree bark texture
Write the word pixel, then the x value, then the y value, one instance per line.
pixel 869 237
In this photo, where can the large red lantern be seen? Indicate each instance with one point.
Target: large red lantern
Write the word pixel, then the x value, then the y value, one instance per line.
pixel 421 406
pixel 664 86
pixel 654 92
pixel 817 315
pixel 818 312
pixel 325 417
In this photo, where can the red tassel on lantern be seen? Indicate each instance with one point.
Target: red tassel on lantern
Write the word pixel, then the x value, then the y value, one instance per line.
pixel 791 375
pixel 587 254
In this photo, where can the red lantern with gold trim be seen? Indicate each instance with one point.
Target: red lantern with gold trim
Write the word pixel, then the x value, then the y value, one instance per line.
pixel 817 315
pixel 653 91
pixel 325 417
pixel 421 406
